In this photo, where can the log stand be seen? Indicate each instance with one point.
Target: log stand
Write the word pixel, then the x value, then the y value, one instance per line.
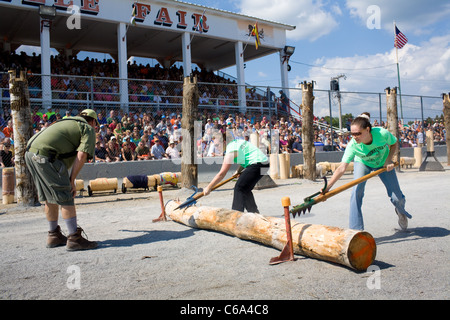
pixel 287 254
pixel 162 216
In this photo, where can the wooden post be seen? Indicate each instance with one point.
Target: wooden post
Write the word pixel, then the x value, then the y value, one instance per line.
pixel 352 248
pixel 189 144
pixel 23 130
pixel 309 151
pixel 392 119
pixel 446 101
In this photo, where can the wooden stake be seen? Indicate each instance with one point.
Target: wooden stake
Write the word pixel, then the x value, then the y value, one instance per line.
pixel 309 151
pixel 188 145
pixel 446 102
pixel 392 119
pixel 23 130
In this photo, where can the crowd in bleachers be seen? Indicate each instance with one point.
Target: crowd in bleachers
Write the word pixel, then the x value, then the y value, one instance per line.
pixel 147 133
pixel 146 83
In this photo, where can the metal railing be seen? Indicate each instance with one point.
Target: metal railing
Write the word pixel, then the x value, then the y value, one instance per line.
pixel 70 92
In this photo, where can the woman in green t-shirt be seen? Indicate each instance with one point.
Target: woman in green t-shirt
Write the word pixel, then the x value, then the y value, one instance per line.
pixel 371 149
pixel 252 160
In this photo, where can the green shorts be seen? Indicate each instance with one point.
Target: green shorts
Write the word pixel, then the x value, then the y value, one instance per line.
pixel 52 180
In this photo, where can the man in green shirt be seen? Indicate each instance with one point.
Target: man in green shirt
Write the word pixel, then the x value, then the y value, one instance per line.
pixel 65 144
pixel 252 159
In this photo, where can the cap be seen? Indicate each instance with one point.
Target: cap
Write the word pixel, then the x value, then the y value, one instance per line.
pixel 90 113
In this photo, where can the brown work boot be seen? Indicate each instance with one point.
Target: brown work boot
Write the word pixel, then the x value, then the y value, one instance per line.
pixel 76 241
pixel 56 238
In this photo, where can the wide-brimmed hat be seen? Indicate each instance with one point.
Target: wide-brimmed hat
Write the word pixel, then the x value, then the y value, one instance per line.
pixel 90 113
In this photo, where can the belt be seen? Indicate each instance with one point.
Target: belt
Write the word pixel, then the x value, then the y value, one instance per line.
pixel 38 151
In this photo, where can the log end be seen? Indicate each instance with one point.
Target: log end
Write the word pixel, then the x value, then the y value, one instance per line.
pixel 361 251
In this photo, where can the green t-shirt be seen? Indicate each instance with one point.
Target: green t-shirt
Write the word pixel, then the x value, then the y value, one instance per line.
pixel 248 154
pixel 373 155
pixel 65 137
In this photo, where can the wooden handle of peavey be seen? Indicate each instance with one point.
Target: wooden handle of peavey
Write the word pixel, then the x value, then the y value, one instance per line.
pixel 329 194
pixel 201 194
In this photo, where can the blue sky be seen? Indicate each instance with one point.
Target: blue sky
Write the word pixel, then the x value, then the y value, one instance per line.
pixel 356 38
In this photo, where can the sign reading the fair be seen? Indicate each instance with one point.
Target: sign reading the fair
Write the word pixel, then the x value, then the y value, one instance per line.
pixel 180 16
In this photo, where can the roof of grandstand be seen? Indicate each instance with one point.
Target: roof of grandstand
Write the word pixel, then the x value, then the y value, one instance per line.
pixel 157 32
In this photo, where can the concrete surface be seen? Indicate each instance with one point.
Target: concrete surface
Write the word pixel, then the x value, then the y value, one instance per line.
pixel 139 259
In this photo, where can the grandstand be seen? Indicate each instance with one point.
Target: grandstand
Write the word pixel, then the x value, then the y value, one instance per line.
pixel 202 40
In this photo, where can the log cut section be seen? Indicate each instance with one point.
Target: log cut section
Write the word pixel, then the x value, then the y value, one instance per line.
pixel 351 248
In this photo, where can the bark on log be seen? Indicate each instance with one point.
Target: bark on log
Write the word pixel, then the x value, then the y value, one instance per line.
pixel 446 102
pixel 392 119
pixel 188 144
pixel 309 151
pixel 351 248
pixel 23 130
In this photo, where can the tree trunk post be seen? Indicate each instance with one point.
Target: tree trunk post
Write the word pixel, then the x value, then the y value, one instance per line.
pixel 189 170
pixel 392 119
pixel 309 151
pixel 23 131
pixel 446 101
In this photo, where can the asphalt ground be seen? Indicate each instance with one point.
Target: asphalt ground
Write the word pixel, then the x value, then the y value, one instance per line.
pixel 142 260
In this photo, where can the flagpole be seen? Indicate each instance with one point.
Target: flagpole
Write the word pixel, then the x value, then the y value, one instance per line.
pixel 398 73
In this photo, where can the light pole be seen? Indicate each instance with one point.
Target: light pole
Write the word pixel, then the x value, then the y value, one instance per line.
pixel 334 86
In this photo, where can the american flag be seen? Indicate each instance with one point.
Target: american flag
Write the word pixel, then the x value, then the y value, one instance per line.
pixel 400 39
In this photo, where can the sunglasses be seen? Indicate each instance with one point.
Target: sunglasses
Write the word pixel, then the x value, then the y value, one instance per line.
pixel 356 134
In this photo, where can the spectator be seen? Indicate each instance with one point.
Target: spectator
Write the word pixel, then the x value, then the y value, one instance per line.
pixel 142 151
pixel 127 153
pixel 100 152
pixel 213 148
pixel 8 130
pixel 342 144
pixel 117 130
pixel 112 151
pixel 172 150
pixel 297 145
pixel 6 155
pixel 157 150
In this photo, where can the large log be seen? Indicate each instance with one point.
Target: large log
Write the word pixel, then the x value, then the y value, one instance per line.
pixel 26 191
pixel 309 151
pixel 351 248
pixel 189 169
pixel 446 102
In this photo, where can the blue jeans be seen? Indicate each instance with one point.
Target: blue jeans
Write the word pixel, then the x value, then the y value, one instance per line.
pixel 389 180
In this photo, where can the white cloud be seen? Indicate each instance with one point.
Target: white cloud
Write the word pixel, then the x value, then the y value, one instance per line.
pixel 410 15
pixel 423 71
pixel 312 18
pixel 262 74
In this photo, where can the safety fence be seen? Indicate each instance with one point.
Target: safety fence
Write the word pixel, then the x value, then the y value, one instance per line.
pixel 70 92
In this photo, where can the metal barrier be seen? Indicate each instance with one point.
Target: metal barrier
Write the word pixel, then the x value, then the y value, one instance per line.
pixel 71 92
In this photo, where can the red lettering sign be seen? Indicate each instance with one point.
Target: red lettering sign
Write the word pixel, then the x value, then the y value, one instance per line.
pixel 89 6
pixel 181 19
pixel 199 22
pixel 61 4
pixel 162 18
pixel 142 10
